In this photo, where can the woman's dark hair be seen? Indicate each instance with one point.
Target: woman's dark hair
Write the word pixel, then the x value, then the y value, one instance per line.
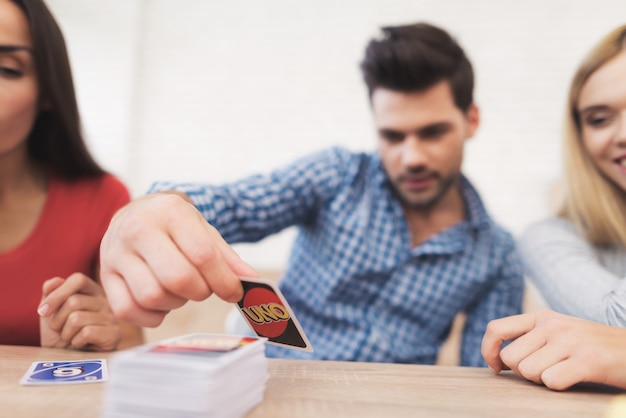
pixel 415 57
pixel 55 141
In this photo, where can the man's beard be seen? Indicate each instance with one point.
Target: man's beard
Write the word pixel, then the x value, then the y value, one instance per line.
pixel 443 186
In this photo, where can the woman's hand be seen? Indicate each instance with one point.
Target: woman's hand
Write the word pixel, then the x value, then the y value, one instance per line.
pixel 557 350
pixel 75 313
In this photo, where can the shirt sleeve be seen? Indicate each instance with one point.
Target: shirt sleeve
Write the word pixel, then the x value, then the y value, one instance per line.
pixel 569 273
pixel 503 298
pixel 255 207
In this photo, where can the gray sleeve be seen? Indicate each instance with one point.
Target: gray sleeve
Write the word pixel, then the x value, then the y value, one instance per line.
pixel 574 277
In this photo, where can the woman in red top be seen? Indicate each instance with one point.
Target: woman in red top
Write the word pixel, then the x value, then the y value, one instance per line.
pixel 55 201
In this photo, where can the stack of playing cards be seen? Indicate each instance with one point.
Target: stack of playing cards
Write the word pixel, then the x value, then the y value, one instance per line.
pixel 196 375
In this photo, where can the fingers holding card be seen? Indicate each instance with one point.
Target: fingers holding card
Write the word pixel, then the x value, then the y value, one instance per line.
pixel 266 310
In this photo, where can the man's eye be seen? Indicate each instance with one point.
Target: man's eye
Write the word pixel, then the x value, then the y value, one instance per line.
pixel 392 136
pixel 434 132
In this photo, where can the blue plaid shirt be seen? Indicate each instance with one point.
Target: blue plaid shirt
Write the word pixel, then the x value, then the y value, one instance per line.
pixel 359 289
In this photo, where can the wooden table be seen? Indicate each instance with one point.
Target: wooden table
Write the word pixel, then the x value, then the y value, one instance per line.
pixel 327 389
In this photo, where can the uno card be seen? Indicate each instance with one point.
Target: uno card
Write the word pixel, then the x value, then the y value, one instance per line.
pixel 266 310
pixel 66 372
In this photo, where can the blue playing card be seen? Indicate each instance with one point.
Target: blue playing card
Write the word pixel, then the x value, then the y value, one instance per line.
pixel 66 372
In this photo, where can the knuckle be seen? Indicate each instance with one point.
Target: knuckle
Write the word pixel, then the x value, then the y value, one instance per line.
pixel 107 254
pixel 73 302
pixel 507 356
pixel 177 281
pixel 527 370
pixel 203 256
pixel 107 340
pixel 151 297
pixel 125 312
pixel 74 319
pixel 552 380
pixel 132 232
pixel 117 306
pixel 493 328
pixel 159 299
pixel 184 280
pixel 167 205
pixel 134 314
pixel 78 278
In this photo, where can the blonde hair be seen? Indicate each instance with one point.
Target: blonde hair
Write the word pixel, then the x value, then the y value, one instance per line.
pixel 592 202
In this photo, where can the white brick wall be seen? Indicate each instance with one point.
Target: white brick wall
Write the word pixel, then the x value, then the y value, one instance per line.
pixel 212 90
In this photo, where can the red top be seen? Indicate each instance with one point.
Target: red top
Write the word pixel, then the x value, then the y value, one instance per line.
pixel 65 240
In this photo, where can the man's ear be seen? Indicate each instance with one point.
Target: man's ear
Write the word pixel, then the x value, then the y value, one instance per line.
pixel 473 119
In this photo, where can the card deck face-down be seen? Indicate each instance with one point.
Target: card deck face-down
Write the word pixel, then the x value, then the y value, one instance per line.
pixel 191 376
pixel 66 372
pixel 266 310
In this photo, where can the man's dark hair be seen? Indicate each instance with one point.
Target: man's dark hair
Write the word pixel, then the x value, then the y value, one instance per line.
pixel 415 57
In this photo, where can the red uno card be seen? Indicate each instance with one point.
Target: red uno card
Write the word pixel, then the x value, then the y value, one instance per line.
pixel 66 372
pixel 266 310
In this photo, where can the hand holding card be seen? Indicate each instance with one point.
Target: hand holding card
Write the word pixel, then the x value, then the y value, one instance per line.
pixel 266 310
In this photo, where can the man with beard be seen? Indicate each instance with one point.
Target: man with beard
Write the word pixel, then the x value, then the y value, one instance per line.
pixel 392 245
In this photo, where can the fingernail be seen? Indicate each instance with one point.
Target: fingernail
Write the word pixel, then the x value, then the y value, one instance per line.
pixel 43 309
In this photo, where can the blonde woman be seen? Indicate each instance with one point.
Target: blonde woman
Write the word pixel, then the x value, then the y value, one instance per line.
pixel 578 259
